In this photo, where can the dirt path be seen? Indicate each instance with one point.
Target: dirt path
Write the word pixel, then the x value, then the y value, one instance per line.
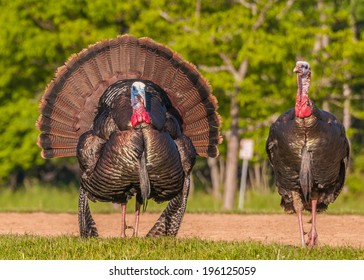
pixel 333 230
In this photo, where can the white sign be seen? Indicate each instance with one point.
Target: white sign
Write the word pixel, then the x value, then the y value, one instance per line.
pixel 246 148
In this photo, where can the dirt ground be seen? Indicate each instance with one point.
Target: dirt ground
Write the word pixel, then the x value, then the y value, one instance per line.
pixel 333 230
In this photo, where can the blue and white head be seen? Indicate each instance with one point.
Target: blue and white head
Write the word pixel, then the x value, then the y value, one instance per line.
pixel 139 104
pixel 138 95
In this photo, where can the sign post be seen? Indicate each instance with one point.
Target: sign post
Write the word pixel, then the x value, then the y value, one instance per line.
pixel 245 153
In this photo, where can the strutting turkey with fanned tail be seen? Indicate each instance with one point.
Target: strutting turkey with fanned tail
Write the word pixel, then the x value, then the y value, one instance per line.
pixel 309 152
pixel 135 114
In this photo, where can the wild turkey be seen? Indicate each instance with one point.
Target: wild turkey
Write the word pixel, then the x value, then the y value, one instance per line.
pixel 309 152
pixel 135 114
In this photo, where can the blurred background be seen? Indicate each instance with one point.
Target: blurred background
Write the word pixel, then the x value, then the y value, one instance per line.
pixel 247 50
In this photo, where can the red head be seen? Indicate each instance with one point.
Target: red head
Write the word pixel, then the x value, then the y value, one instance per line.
pixel 304 105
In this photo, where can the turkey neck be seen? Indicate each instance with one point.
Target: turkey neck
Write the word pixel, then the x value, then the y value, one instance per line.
pixel 304 106
pixel 303 84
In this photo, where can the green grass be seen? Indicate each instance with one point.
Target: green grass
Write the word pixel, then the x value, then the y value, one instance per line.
pixel 14 247
pixel 51 199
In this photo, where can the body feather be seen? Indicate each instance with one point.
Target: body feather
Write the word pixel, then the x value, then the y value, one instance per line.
pixel 307 156
pixel 88 111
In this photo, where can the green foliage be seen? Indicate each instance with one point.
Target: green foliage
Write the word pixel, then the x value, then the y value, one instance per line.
pixel 14 247
pixel 38 36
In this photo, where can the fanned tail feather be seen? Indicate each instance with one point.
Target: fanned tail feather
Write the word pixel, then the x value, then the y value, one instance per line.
pixel 70 102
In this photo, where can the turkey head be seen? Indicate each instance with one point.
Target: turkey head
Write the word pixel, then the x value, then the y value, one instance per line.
pixel 139 104
pixel 304 105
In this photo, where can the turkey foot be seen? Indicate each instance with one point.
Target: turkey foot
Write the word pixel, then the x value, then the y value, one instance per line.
pixel 312 238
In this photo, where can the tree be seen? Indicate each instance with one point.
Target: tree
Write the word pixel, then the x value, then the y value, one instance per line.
pixel 36 38
pixel 246 49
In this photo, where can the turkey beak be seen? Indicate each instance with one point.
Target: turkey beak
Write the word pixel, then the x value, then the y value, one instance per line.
pixel 296 69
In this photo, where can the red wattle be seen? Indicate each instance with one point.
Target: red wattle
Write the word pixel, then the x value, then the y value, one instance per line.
pixel 303 108
pixel 134 120
pixel 146 117
pixel 139 117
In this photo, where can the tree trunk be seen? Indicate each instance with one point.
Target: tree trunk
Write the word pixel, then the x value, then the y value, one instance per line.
pixel 192 184
pixel 232 154
pixel 346 109
pixel 215 177
pixel 322 40
pixel 197 14
pixel 257 177
pixel 265 175
pixel 222 171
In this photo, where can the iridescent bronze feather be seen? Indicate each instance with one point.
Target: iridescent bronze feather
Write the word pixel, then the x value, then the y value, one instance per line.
pixel 309 152
pixel 144 146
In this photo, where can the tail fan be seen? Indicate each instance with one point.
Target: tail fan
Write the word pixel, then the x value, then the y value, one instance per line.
pixel 70 102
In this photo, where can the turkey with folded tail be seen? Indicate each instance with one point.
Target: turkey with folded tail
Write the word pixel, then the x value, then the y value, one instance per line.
pixel 309 152
pixel 136 115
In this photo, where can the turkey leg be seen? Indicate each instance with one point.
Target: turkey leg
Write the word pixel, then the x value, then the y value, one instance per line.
pixel 86 223
pixel 136 223
pixel 124 227
pixel 170 221
pixel 312 235
pixel 300 224
pixel 123 220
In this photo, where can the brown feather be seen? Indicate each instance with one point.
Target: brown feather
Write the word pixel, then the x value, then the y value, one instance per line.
pixel 114 55
pixel 54 153
pixel 46 124
pixel 49 141
pixel 70 101
pixel 149 62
